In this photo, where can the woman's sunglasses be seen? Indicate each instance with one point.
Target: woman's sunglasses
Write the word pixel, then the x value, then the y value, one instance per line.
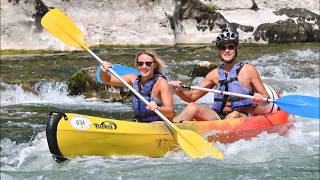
pixel 230 47
pixel 146 63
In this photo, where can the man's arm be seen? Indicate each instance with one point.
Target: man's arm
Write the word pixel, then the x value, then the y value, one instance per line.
pixel 256 82
pixel 166 97
pixel 258 86
pixel 194 95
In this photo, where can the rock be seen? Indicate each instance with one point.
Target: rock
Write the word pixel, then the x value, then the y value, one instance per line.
pixel 198 22
pixel 150 22
pixel 84 82
pixel 203 68
pixel 228 5
pixel 254 6
pixel 302 26
pixel 29 87
pixel 41 10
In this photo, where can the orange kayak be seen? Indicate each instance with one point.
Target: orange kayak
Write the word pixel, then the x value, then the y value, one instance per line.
pixel 231 130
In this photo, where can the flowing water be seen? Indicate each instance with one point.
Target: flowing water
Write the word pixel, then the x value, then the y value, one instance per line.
pixel 34 84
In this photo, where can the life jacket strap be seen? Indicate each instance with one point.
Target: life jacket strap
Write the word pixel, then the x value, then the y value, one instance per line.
pixel 226 81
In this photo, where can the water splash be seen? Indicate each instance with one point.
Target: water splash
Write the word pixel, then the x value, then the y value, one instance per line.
pixel 53 94
pixel 293 64
pixel 268 156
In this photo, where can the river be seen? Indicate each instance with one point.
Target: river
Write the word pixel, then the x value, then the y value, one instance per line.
pixel 35 83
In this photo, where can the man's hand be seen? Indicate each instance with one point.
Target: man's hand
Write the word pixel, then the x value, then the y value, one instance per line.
pixel 176 85
pixel 257 99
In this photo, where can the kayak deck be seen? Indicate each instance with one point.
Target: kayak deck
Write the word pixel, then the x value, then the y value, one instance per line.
pixel 72 135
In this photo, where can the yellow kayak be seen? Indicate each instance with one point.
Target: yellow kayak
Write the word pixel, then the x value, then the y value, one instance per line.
pixel 71 135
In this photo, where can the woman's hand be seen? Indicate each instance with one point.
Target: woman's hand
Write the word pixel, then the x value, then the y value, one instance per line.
pixel 105 65
pixel 152 106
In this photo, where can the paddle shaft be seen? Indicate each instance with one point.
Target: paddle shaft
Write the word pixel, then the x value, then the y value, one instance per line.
pixel 83 46
pixel 62 27
pixel 130 87
pixel 185 138
pixel 224 92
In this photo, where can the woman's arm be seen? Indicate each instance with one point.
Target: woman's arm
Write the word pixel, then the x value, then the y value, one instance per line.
pixel 109 79
pixel 166 97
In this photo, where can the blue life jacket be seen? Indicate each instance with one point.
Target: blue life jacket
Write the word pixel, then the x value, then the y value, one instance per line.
pixel 229 82
pixel 141 112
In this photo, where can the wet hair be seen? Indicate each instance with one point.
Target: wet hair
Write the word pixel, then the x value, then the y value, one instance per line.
pixel 160 64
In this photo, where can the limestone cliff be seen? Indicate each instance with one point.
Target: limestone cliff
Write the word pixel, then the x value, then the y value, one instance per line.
pixel 162 22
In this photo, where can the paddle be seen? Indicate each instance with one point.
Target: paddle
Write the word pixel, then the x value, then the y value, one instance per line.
pixel 63 28
pixel 305 106
pixel 119 69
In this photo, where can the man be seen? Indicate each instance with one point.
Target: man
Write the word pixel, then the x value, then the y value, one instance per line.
pixel 233 76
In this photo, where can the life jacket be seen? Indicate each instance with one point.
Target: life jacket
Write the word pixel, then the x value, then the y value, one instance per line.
pixel 141 112
pixel 229 82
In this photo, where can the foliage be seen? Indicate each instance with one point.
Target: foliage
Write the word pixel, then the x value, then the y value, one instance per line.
pixel 211 5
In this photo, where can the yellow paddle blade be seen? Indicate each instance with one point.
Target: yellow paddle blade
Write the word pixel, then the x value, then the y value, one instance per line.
pixel 58 24
pixel 196 146
pixel 64 29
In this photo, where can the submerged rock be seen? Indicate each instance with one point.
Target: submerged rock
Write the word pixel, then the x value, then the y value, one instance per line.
pixel 84 82
pixel 203 68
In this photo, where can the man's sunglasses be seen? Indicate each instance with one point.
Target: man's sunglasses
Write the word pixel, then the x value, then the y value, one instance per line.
pixel 230 47
pixel 146 63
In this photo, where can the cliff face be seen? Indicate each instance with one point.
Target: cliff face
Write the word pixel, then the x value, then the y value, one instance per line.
pixel 162 22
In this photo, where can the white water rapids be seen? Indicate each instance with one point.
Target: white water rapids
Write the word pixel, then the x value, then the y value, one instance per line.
pixel 269 156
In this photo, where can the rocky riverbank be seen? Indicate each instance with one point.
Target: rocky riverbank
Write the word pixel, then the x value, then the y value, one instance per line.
pixel 162 22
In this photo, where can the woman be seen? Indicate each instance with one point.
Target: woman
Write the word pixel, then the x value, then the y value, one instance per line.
pixel 151 84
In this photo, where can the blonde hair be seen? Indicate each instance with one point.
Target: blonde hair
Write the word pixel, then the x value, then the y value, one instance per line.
pixel 160 64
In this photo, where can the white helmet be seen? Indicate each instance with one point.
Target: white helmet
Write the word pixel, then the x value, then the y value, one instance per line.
pixel 227 36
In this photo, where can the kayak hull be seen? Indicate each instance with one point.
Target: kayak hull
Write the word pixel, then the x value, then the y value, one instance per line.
pixel 71 135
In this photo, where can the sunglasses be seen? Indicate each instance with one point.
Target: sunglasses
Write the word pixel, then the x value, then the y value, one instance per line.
pixel 230 47
pixel 146 63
